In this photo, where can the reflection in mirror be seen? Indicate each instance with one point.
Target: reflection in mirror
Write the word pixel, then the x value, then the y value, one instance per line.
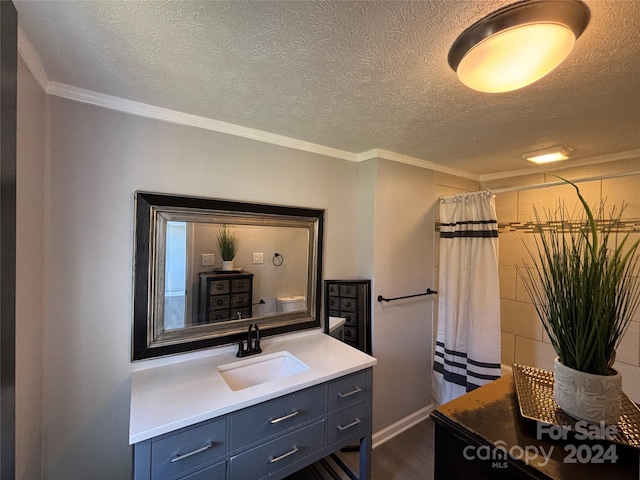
pixel 184 300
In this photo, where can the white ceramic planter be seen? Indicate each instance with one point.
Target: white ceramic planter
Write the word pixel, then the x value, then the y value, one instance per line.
pixel 227 265
pixel 594 398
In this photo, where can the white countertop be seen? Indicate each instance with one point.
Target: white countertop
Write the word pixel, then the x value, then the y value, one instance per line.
pixel 335 323
pixel 169 397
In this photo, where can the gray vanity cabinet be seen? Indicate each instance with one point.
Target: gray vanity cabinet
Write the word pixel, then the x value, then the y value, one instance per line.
pixel 271 439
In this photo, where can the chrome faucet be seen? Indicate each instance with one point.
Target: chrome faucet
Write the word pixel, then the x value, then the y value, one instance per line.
pixel 253 342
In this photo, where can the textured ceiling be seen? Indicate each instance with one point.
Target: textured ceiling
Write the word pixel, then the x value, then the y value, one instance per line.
pixel 349 75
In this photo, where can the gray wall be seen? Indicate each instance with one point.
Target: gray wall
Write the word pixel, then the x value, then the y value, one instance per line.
pixel 29 273
pixel 98 159
pixel 403 265
pixel 94 161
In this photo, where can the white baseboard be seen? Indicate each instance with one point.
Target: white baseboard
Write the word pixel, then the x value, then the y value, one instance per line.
pixel 400 426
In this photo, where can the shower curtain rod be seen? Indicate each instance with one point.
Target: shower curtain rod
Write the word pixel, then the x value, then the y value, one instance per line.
pixel 560 182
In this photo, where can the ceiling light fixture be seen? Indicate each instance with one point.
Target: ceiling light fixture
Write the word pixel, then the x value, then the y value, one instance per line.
pixel 518 44
pixel 549 155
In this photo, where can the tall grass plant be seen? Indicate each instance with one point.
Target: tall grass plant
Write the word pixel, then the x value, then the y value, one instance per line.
pixel 227 243
pixel 584 283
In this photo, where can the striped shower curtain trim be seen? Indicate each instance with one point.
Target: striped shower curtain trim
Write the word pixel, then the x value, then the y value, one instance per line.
pixel 463 232
pixel 456 367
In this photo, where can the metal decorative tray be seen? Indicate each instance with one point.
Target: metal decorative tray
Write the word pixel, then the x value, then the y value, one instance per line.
pixel 534 388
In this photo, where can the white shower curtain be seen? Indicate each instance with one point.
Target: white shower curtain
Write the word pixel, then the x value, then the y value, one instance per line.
pixel 467 353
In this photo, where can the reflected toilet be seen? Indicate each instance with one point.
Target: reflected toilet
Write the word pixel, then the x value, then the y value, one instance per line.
pixel 292 303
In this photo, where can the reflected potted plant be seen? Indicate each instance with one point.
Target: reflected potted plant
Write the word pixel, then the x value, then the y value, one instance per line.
pixel 585 286
pixel 228 245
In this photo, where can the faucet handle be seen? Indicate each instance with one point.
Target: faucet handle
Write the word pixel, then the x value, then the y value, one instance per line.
pixel 257 343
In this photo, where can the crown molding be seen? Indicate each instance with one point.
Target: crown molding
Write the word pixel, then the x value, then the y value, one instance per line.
pixel 417 162
pixel 32 60
pixel 598 159
pixel 159 113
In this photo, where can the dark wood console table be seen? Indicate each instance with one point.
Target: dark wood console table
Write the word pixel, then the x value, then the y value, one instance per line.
pixel 469 427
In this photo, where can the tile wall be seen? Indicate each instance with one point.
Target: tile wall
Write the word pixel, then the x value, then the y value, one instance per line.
pixel 523 338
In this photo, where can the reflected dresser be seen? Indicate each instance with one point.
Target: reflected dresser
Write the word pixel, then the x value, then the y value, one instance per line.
pixel 351 300
pixel 224 296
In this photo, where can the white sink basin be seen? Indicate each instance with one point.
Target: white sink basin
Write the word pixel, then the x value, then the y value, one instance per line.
pixel 265 368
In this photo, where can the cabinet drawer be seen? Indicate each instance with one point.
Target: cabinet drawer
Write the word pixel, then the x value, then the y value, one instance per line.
pixel 351 334
pixel 178 453
pixel 218 287
pixel 219 302
pixel 218 315
pixel 347 390
pixel 347 423
pixel 276 416
pixel 351 319
pixel 334 290
pixel 240 285
pixel 348 304
pixel 334 303
pixel 347 290
pixel 262 461
pixel 214 472
pixel 240 300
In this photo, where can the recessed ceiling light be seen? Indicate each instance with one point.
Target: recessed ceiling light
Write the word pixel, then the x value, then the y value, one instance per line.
pixel 518 44
pixel 548 155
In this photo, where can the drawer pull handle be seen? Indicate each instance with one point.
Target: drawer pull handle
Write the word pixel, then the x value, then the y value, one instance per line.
pixel 352 392
pixel 186 455
pixel 284 455
pixel 278 420
pixel 352 424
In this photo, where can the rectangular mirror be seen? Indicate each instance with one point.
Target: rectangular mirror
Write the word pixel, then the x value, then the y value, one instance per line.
pixel 184 300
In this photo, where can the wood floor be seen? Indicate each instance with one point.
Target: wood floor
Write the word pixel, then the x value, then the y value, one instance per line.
pixel 409 456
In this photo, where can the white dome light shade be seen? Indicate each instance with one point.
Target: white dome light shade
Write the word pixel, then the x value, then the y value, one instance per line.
pixel 517 45
pixel 515 57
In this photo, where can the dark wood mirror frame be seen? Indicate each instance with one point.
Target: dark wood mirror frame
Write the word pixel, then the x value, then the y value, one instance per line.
pixel 149 208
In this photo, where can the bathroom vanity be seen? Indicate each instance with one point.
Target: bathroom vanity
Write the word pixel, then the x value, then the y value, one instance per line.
pixel 219 417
